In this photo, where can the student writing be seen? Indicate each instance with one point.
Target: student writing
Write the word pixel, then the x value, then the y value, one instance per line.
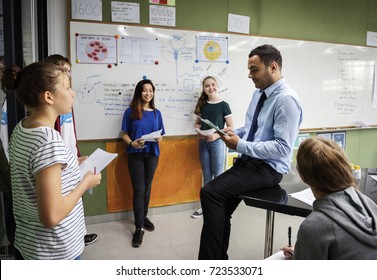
pixel 343 224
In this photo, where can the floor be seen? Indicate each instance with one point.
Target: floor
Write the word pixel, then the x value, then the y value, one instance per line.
pixel 177 235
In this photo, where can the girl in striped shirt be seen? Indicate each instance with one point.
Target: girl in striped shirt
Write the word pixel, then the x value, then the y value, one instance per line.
pixel 45 175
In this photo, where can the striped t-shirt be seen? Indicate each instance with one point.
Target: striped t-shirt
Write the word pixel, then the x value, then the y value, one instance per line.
pixel 32 150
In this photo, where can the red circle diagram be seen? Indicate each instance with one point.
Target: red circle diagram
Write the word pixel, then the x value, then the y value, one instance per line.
pixel 96 51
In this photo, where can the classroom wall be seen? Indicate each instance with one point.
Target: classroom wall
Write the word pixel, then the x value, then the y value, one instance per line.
pixel 336 21
pixel 57 28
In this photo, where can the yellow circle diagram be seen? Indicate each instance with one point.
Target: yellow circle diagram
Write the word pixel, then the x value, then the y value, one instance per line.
pixel 212 50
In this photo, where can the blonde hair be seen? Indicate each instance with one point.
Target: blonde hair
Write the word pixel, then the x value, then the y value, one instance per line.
pixel 323 165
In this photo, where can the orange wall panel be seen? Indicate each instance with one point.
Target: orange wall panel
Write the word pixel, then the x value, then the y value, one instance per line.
pixel 178 178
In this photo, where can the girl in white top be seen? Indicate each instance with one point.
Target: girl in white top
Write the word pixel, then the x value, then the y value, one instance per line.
pixel 45 174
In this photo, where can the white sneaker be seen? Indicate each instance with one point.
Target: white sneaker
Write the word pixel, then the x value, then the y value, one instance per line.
pixel 197 214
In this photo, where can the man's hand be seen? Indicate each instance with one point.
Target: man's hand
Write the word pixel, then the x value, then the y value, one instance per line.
pixel 230 139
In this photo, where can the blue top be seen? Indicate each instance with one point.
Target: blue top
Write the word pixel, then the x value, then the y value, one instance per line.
pixel 278 125
pixel 150 122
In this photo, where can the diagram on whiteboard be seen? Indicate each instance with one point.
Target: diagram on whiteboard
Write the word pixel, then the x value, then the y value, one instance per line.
pixel 212 48
pixel 138 50
pixel 96 49
pixel 180 106
pixel 177 51
pixel 86 93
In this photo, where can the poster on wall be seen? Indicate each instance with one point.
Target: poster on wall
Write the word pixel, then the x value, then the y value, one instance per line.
pixel 125 12
pixel 162 15
pixel 86 9
pixel 97 49
pixel 340 138
pixel 238 23
pixel 212 49
pixel 138 50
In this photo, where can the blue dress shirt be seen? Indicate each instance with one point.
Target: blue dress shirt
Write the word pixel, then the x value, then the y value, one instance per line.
pixel 278 125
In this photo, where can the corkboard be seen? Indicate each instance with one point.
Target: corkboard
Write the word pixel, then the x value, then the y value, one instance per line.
pixel 178 177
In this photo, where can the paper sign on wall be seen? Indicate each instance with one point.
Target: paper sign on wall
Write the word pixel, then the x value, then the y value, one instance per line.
pixel 372 39
pixel 162 15
pixel 237 23
pixel 125 12
pixel 87 9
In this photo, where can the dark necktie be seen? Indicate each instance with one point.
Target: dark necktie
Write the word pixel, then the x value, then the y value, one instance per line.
pixel 254 124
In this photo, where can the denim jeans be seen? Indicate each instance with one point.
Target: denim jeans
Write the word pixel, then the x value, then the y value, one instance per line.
pixel 212 158
pixel 142 167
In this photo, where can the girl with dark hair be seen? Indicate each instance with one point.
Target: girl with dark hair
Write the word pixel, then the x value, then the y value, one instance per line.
pixel 139 119
pixel 66 126
pixel 45 175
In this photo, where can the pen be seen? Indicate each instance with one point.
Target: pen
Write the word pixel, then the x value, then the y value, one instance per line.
pixel 95 171
pixel 289 236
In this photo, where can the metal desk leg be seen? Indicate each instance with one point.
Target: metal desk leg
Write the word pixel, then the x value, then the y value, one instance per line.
pixel 269 233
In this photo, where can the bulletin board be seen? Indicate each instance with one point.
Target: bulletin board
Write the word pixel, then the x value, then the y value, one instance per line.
pixel 334 82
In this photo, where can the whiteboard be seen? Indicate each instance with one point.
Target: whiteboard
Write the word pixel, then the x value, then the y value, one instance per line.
pixel 333 81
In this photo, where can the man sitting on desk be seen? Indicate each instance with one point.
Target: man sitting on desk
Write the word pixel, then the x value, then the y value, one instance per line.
pixel 266 143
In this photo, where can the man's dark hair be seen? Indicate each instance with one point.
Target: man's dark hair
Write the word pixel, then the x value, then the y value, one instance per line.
pixel 268 54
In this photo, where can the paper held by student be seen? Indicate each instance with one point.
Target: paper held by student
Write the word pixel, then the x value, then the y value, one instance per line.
pixel 211 124
pixel 277 256
pixel 96 162
pixel 305 195
pixel 151 137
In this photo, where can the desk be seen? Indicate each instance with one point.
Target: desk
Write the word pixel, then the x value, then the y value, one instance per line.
pixel 277 199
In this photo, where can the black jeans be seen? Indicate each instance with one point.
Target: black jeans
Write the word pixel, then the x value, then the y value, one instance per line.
pixel 142 167
pixel 220 198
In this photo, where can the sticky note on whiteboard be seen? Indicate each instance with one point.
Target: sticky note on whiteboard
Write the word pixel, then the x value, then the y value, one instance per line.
pixel 371 38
